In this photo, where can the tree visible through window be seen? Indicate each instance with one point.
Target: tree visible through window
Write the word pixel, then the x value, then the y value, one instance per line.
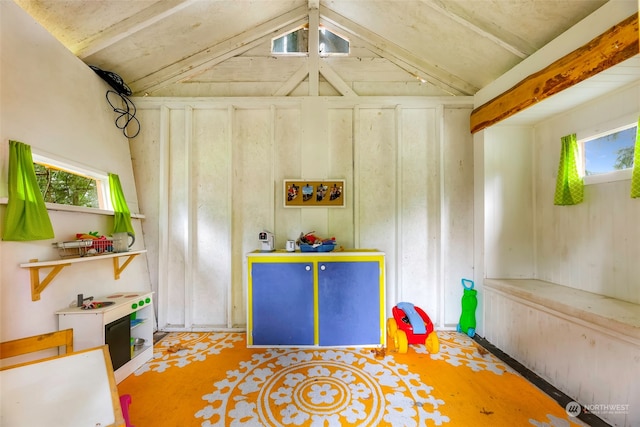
pixel 66 188
pixel 610 152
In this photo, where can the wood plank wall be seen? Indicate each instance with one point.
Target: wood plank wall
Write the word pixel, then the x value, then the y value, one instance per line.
pixel 210 172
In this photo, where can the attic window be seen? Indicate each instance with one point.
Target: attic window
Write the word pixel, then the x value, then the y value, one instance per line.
pixel 332 44
pixel 297 43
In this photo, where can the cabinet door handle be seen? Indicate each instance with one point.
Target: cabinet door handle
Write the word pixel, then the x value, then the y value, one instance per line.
pixel 308 268
pixel 323 267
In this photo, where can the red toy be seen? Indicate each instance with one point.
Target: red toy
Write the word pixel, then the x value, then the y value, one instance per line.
pixel 411 325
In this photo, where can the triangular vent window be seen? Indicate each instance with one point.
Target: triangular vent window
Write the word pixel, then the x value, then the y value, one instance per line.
pixel 297 43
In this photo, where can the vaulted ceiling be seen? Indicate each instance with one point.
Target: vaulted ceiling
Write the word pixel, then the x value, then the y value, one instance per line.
pixel 223 47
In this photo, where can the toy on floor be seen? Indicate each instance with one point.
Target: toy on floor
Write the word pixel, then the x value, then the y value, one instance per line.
pixel 411 325
pixel 469 303
pixel 125 402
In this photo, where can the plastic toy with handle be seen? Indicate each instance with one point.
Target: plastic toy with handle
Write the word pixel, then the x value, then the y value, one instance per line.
pixel 411 325
pixel 469 303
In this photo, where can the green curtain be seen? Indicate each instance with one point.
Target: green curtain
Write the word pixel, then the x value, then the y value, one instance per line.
pixel 26 217
pixel 569 185
pixel 121 214
pixel 635 177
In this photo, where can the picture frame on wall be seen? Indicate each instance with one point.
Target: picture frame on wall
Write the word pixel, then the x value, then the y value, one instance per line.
pixel 326 193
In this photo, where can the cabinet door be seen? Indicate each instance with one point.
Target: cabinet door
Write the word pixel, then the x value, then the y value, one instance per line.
pixel 349 303
pixel 282 303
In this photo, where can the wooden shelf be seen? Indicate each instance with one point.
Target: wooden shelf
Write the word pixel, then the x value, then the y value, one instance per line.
pixel 37 285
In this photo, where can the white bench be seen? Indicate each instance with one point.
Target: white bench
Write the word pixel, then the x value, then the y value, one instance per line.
pixel 586 345
pixel 617 316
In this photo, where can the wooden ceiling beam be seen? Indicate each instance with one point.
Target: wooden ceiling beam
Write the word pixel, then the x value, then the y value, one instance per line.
pixel 314 55
pixel 465 22
pixel 612 47
pixel 138 22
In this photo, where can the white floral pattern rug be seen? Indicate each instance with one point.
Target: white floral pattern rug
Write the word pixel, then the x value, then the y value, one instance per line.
pixel 212 379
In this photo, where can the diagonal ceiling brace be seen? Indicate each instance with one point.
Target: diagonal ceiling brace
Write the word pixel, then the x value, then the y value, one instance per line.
pixel 397 55
pixel 293 81
pixel 138 22
pixel 335 80
pixel 476 29
pixel 211 56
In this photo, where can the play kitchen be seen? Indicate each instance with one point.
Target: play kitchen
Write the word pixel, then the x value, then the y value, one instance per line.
pixel 122 320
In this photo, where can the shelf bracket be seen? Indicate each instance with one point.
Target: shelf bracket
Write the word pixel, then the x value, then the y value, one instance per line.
pixel 37 286
pixel 117 269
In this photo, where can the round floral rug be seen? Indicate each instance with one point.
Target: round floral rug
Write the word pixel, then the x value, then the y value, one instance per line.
pixel 213 379
pixel 321 388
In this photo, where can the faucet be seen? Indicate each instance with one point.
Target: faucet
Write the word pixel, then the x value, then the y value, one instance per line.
pixel 81 300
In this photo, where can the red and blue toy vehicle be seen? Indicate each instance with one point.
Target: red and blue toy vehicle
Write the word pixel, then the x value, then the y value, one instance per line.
pixel 411 325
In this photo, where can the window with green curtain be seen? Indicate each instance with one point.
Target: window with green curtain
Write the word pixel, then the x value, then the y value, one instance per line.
pixel 121 214
pixel 569 185
pixel 635 176
pixel 26 217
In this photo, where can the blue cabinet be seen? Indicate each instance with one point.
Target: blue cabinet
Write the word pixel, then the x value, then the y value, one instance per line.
pixel 282 303
pixel 308 299
pixel 349 303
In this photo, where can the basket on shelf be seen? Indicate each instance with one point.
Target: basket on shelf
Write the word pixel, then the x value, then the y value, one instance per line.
pixel 103 245
pixel 83 247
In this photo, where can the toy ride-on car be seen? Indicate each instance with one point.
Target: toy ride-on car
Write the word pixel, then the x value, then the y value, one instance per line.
pixel 411 325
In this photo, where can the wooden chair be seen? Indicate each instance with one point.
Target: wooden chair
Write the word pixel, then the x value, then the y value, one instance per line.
pixel 35 343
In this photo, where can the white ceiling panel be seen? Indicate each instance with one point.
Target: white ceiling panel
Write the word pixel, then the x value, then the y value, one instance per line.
pixel 451 47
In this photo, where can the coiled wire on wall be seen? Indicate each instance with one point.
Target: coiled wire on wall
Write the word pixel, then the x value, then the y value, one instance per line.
pixel 127 112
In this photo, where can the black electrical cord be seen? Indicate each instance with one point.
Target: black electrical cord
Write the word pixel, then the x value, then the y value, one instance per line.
pixel 127 114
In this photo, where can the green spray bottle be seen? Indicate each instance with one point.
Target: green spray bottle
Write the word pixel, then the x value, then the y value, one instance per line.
pixel 469 303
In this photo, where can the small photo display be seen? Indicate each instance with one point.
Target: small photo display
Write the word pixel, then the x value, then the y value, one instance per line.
pixel 314 193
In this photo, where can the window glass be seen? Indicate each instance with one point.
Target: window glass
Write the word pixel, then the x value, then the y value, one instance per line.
pixel 65 188
pixel 609 152
pixel 64 183
pixel 291 43
pixel 332 44
pixel 297 42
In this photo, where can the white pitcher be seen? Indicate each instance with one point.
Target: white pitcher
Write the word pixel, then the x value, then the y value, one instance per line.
pixel 123 241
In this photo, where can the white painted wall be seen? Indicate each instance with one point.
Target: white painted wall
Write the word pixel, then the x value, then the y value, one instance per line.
pixel 508 198
pixel 524 235
pixel 52 101
pixel 210 172
pixel 589 246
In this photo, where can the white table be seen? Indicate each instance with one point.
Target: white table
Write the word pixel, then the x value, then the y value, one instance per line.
pixel 74 390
